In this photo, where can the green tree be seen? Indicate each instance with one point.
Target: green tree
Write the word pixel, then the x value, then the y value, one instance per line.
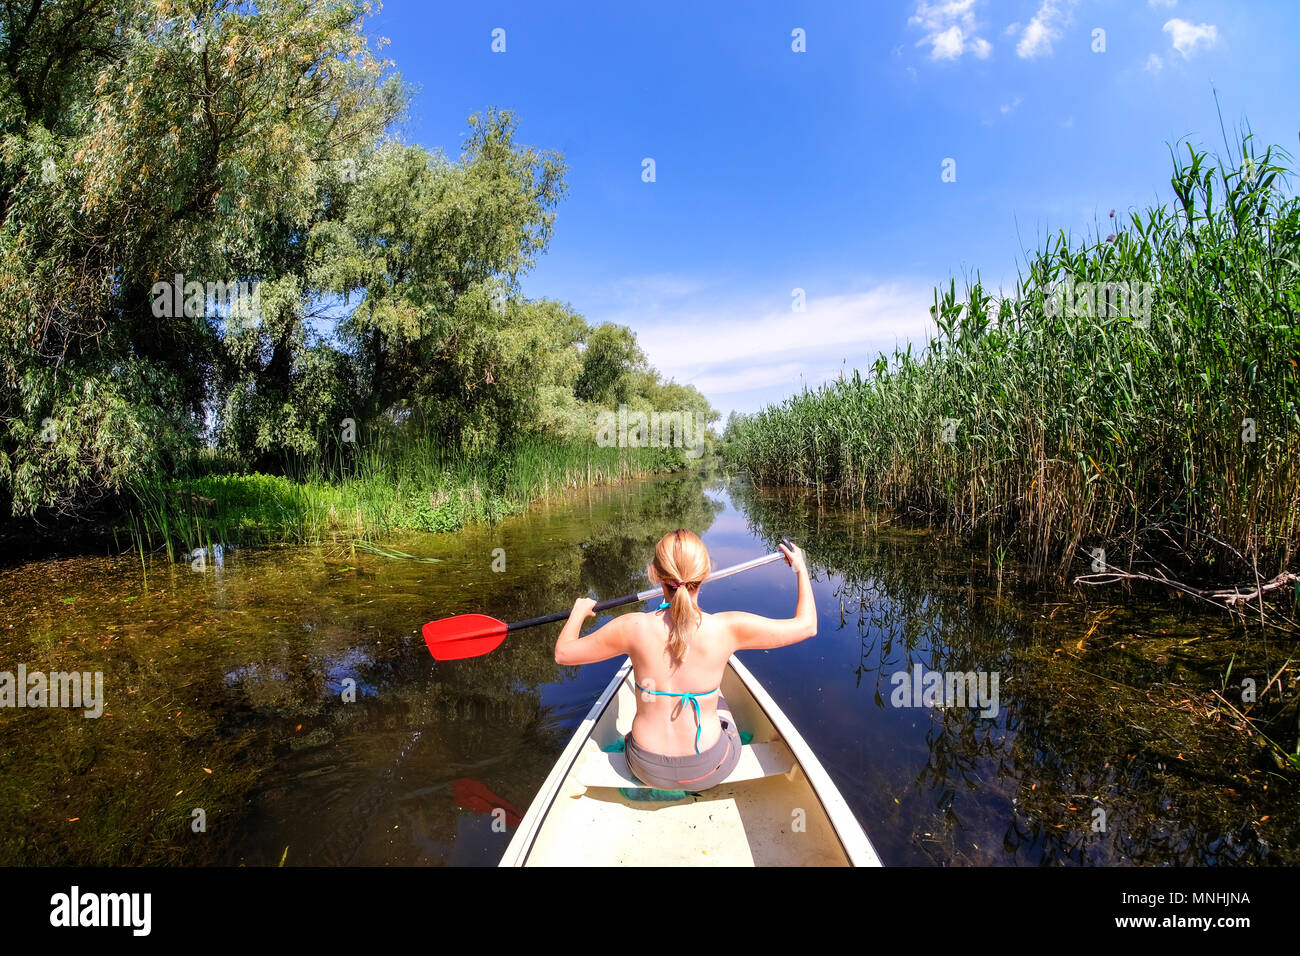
pixel 609 362
pixel 431 251
pixel 144 141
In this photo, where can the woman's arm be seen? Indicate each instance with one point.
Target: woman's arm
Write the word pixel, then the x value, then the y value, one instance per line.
pixel 751 631
pixel 600 645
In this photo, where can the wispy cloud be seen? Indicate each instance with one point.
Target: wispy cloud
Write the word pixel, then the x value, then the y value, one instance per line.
pixel 1009 107
pixel 629 291
pixel 1154 63
pixel 950 29
pixel 733 345
pixel 1188 38
pixel 1044 29
pixel 1162 3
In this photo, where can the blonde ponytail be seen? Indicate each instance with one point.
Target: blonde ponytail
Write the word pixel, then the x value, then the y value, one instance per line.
pixel 684 617
pixel 681 564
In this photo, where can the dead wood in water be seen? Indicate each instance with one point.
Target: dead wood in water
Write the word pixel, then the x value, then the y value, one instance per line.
pixel 1234 599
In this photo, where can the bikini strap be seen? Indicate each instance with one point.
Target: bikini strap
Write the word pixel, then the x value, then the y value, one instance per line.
pixel 684 698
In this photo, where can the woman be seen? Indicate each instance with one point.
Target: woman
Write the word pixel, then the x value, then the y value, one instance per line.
pixel 683 736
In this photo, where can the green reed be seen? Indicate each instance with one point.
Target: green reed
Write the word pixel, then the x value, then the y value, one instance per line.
pixel 1086 428
pixel 372 488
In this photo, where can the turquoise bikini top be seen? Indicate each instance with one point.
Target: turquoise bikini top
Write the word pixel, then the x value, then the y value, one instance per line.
pixel 684 698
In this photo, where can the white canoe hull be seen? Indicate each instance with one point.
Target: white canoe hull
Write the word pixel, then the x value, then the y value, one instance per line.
pixel 770 818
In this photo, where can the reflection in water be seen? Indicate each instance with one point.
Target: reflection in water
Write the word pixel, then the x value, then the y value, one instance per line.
pixel 1103 750
pixel 287 694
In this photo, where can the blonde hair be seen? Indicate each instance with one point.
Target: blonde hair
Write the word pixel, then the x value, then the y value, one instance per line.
pixel 681 564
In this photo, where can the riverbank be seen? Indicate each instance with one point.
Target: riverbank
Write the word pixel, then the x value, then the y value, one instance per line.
pixel 418 487
pixel 415 487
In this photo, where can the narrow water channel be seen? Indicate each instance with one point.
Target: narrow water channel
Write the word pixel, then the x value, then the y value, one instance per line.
pixel 279 705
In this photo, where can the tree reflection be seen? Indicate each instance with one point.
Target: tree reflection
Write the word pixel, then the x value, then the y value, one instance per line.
pixel 1089 759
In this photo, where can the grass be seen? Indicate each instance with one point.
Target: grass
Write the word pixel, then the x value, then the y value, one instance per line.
pixel 1170 436
pixel 412 485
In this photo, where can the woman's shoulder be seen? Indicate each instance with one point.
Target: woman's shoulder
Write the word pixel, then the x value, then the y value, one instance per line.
pixel 645 623
pixel 724 619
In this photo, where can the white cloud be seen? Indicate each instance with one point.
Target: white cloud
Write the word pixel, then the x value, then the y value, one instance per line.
pixel 1044 29
pixel 1188 37
pixel 1008 107
pixel 750 378
pixel 949 44
pixel 1162 3
pixel 950 29
pixel 746 344
pixel 1154 64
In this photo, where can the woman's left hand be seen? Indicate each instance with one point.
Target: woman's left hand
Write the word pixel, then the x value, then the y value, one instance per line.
pixel 605 641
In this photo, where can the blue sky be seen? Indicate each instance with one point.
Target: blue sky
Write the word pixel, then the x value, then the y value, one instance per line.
pixel 821 170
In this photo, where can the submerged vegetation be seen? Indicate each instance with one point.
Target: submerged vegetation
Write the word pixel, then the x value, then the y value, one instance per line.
pixel 1156 712
pixel 1136 404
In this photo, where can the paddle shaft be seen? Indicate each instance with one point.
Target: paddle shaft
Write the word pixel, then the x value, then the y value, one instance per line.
pixel 643 595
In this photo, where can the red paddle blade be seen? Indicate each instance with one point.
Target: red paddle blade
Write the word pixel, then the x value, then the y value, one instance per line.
pixel 462 636
pixel 472 795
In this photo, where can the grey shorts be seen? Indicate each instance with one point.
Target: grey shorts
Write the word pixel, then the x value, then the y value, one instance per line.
pixel 692 771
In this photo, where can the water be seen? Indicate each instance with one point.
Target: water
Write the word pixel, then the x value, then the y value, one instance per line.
pixel 280 705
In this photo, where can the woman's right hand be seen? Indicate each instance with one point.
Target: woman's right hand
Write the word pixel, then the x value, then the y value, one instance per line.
pixel 794 557
pixel 752 632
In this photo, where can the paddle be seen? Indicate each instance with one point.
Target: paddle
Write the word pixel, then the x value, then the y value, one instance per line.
pixel 473 635
pixel 473 795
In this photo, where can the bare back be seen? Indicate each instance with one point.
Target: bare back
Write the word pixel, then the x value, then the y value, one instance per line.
pixel 663 724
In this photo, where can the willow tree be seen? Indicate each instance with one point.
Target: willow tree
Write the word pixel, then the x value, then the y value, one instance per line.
pixel 428 256
pixel 143 141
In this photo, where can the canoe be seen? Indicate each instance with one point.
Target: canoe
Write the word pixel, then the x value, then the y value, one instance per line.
pixel 779 807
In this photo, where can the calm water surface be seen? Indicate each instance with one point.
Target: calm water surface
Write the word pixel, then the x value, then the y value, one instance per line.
pixel 228 735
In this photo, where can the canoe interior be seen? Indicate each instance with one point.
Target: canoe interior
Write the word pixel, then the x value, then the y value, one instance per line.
pixel 775 821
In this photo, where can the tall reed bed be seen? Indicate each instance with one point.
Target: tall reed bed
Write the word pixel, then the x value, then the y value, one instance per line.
pixel 1059 425
pixel 371 489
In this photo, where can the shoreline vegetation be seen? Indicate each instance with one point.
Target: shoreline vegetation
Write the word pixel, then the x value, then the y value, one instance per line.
pixel 246 310
pixel 417 486
pixel 1131 413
